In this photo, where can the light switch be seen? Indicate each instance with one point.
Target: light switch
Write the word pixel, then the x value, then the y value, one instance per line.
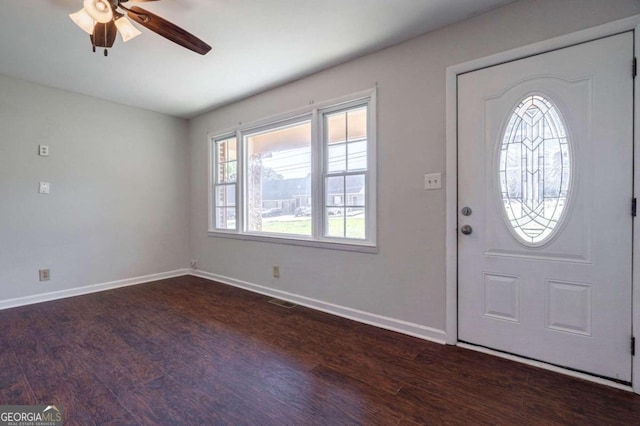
pixel 433 181
pixel 43 150
pixel 45 188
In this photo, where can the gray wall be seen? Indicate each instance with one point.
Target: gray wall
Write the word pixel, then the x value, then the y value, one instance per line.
pixel 119 199
pixel 406 279
pixel 129 195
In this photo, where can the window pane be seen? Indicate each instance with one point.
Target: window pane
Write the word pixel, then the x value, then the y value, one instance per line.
pixel 226 196
pixel 226 150
pixel 334 189
pixel 279 180
pixel 226 160
pixel 357 123
pixel 334 210
pixel 227 172
pixel 336 158
pixel 336 127
pixel 355 191
pixel 335 220
pixel 357 155
pixel 225 218
pixel 355 223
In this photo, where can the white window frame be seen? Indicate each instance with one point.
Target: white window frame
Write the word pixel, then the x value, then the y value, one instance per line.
pixel 315 113
pixel 213 181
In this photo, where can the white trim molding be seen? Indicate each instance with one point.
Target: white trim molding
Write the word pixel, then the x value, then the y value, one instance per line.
pixel 94 288
pixel 393 324
pixel 627 24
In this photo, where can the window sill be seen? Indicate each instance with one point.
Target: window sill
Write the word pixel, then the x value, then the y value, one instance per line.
pixel 350 246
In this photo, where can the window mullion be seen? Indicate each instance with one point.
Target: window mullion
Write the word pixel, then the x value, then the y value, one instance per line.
pixel 213 173
pixel 371 175
pixel 354 173
pixel 240 182
pixel 317 174
pixel 344 203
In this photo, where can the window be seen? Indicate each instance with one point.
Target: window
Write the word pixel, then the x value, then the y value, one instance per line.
pixel 345 173
pixel 535 170
pixel 278 176
pixel 305 179
pixel 226 160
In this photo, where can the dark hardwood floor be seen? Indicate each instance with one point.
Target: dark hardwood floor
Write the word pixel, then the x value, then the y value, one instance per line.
pixel 186 351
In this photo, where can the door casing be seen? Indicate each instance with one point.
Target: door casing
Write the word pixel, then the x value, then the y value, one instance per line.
pixel 451 186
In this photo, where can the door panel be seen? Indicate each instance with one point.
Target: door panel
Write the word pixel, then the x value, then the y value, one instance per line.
pixel 545 160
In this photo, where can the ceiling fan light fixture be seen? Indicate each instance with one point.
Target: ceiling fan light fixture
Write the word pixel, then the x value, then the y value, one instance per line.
pixel 83 20
pixel 126 29
pixel 99 10
pixel 103 19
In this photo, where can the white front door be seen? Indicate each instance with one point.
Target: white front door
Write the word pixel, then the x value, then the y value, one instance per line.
pixel 545 164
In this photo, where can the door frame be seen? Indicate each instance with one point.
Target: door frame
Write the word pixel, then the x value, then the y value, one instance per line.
pixel 451 186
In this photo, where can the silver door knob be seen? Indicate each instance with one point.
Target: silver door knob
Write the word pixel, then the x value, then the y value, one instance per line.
pixel 466 229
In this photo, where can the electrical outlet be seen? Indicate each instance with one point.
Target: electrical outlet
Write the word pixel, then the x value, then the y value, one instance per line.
pixel 43 150
pixel 276 271
pixel 45 188
pixel 45 275
pixel 433 181
pixel 194 264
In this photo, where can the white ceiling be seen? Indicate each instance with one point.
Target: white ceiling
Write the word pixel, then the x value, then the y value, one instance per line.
pixel 257 44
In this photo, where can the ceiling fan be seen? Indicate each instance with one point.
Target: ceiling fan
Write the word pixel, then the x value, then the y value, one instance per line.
pixel 102 20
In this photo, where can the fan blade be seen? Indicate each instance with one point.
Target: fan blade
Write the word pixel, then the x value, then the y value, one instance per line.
pixel 168 30
pixel 104 35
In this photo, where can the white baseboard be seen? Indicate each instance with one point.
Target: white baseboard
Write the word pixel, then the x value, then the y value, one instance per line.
pixel 79 291
pixel 405 327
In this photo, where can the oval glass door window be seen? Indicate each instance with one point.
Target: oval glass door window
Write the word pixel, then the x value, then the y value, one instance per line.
pixel 535 170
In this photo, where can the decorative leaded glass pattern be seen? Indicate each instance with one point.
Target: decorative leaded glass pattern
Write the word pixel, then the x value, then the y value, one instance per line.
pixel 535 170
